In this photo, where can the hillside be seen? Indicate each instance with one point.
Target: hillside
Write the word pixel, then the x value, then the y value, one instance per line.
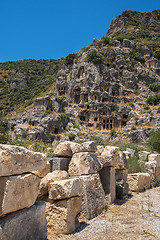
pixel 108 90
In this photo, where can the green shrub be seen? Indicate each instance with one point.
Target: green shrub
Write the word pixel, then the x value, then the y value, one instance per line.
pixel 137 56
pixel 94 57
pixel 136 91
pixel 70 58
pixel 60 98
pixel 63 116
pixel 71 136
pixel 133 128
pixel 85 49
pixel 98 139
pixel 157 54
pixel 153 100
pixel 107 40
pixel 146 107
pixel 154 87
pixel 112 132
pixel 131 104
pixel 133 164
pixel 47 112
pixel 154 141
pixel 158 110
pixel 75 125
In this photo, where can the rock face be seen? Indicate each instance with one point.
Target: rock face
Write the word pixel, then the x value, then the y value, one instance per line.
pixel 18 160
pixel 84 163
pixel 93 196
pixel 138 181
pixel 62 215
pixel 17 192
pixel 25 224
pixel 65 189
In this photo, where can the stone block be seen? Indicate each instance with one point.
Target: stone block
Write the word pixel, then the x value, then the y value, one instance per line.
pixel 51 177
pixel 107 176
pixel 154 157
pixel 26 224
pixel 18 160
pixel 143 155
pixel 100 149
pixel 139 181
pixel 121 174
pixel 42 173
pixel 114 152
pixel 59 163
pixel 84 163
pixel 63 189
pixel 93 196
pixel 17 192
pixel 131 151
pixel 127 154
pixel 63 149
pixel 62 215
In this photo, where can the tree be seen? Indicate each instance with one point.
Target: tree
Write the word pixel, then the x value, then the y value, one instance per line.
pixel 154 140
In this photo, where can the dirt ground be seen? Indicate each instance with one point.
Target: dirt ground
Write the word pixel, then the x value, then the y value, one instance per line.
pixel 137 218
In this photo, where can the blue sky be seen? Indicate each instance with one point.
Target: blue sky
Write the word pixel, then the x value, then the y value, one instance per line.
pixel 47 29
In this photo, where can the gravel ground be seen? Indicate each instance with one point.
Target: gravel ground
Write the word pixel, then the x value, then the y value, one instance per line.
pixel 136 218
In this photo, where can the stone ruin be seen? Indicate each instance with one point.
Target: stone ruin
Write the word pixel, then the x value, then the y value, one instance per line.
pixel 95 95
pixel 77 183
pixel 20 216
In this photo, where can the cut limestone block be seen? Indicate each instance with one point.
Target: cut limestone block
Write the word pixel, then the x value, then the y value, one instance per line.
pixel 68 148
pixel 51 177
pixel 18 160
pixel 59 163
pixel 63 150
pixel 138 181
pixel 107 176
pixel 114 152
pixel 42 173
pixel 100 149
pixel 127 154
pixel 29 223
pixel 154 157
pixel 131 151
pixel 93 196
pixel 17 192
pixel 62 215
pixel 84 163
pixel 151 169
pixel 143 155
pixel 121 174
pixel 122 160
pixel 63 189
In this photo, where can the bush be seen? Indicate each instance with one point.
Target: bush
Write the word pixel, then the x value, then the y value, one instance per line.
pixel 157 54
pixel 153 100
pixel 94 57
pixel 133 164
pixel 158 110
pixel 63 116
pixel 47 112
pixel 99 140
pixel 131 104
pixel 107 40
pixel 146 107
pixel 75 125
pixel 154 87
pixel 70 58
pixel 60 98
pixel 137 56
pixel 154 141
pixel 112 132
pixel 136 91
pixel 71 136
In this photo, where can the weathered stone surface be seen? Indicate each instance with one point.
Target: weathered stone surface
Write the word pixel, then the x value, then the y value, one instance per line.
pixel 107 161
pixel 114 152
pixel 65 189
pixel 122 160
pixel 90 146
pixel 100 149
pixel 93 196
pixel 138 181
pixel 121 174
pixel 63 150
pixel 107 176
pixel 42 173
pixel 59 163
pixel 25 224
pixel 127 154
pixel 17 160
pixel 131 151
pixel 154 157
pixel 151 169
pixel 62 215
pixel 51 177
pixel 83 163
pixel 17 192
pixel 143 155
